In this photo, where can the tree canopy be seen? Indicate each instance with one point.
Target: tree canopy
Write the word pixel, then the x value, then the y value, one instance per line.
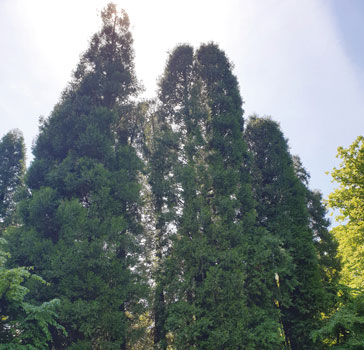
pixel 282 210
pixel 348 199
pixel 171 223
pixel 80 220
pixel 344 328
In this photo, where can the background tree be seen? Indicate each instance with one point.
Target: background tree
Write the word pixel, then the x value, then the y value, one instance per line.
pixel 344 329
pixel 348 199
pixel 12 169
pixel 282 210
pixel 325 243
pixel 81 218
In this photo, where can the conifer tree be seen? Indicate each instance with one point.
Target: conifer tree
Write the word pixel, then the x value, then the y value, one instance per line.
pixel 209 301
pixel 324 242
pixel 81 217
pixel 165 162
pixel 282 210
pixel 12 170
pixel 232 233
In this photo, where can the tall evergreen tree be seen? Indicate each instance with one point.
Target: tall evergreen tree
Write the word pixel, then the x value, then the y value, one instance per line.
pixel 81 217
pixel 168 131
pixel 324 242
pixel 12 170
pixel 282 210
pixel 234 235
pixel 208 301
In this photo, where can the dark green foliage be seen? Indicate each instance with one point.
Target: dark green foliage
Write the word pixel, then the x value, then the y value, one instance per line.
pixel 282 210
pixel 81 218
pixel 211 298
pixel 242 254
pixel 232 237
pixel 325 244
pixel 165 161
pixel 12 168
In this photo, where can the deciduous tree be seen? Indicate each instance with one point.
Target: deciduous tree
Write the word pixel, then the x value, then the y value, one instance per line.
pixel 23 326
pixel 348 198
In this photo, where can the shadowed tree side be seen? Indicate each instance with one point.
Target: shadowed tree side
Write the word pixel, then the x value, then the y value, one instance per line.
pixel 282 210
pixel 325 243
pixel 165 164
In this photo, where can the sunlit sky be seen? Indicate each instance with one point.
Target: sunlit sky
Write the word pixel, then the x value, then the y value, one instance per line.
pixel 301 62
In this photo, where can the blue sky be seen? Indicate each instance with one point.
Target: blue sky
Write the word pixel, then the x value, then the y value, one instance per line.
pixel 348 17
pixel 301 62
